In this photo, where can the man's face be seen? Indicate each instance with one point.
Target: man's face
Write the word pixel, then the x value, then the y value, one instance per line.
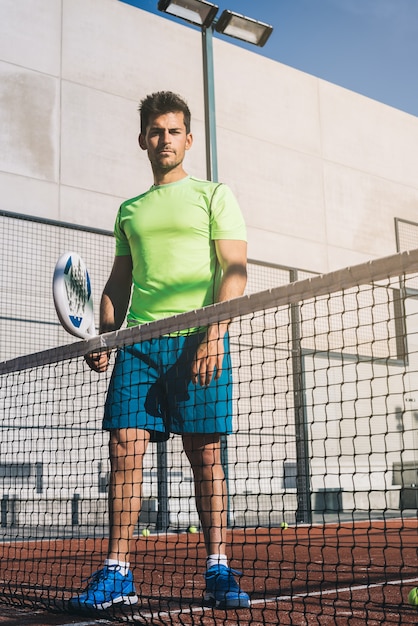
pixel 166 141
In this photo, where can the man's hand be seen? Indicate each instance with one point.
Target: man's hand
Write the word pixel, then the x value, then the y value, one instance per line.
pixel 209 355
pixel 98 361
pixel 113 307
pixel 232 257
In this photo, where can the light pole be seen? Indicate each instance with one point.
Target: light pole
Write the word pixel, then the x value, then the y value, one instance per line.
pixel 203 14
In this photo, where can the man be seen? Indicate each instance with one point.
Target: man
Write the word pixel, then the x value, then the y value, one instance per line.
pixel 179 246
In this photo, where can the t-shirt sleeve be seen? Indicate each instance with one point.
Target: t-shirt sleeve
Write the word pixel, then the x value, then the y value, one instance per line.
pixel 122 247
pixel 227 221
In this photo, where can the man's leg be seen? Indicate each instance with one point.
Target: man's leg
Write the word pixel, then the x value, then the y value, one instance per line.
pixel 113 583
pixel 127 448
pixel 204 454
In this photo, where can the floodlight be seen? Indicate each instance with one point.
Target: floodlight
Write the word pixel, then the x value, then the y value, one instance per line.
pixel 244 28
pixel 197 12
pixel 202 13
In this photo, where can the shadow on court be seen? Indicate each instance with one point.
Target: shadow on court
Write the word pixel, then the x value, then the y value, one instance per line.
pixel 18 616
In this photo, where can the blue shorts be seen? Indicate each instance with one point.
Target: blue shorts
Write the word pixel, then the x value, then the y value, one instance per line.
pixel 151 389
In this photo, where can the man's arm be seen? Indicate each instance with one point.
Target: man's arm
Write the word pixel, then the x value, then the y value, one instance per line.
pixel 113 307
pixel 232 256
pixel 116 295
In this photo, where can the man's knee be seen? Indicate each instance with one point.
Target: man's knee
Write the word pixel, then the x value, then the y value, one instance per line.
pixel 128 445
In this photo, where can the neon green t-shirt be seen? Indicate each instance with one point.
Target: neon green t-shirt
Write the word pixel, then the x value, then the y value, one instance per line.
pixel 170 233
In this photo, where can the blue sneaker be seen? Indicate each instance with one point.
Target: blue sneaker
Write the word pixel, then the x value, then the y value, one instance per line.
pixel 106 587
pixel 222 590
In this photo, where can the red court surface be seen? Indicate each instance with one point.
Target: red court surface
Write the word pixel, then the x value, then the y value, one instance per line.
pixel 334 575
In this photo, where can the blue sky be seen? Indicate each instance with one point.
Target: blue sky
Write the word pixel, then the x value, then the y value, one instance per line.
pixel 368 46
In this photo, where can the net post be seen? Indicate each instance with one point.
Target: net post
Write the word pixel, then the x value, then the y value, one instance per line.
pixel 4 510
pixel 400 321
pixel 75 509
pixel 163 513
pixel 224 462
pixel 304 507
pixel 39 477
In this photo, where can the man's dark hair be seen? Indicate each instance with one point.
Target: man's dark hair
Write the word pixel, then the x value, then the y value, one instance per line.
pixel 160 103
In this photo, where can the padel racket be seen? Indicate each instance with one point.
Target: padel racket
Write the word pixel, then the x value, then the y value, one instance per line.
pixel 71 289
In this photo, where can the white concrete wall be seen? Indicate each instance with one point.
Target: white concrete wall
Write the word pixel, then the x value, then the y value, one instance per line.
pixel 320 172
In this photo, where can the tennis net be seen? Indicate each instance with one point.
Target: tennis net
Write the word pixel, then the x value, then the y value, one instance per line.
pixel 321 468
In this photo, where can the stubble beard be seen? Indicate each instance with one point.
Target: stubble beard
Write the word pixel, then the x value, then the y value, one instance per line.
pixel 161 166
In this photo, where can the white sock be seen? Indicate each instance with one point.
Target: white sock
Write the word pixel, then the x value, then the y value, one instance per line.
pixel 123 567
pixel 216 559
